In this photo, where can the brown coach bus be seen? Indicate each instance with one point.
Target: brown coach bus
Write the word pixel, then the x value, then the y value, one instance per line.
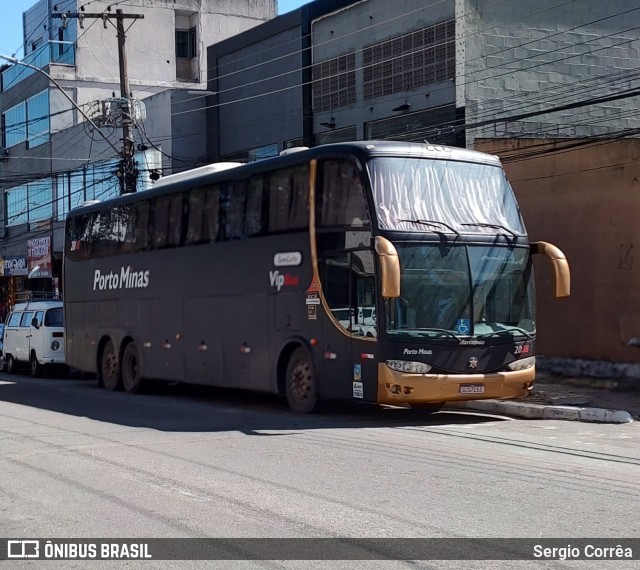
pixel 384 272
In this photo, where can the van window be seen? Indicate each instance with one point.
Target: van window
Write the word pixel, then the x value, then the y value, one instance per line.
pixel 14 320
pixel 25 321
pixel 53 318
pixel 39 315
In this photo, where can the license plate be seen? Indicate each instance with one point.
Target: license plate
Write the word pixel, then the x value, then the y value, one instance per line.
pixel 472 388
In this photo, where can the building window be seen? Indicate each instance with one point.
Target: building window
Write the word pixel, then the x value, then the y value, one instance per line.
pixel 334 83
pixel 29 203
pixel 410 61
pixel 253 154
pixel 422 126
pixel 38 119
pixel 14 122
pixel 186 43
pixel 95 182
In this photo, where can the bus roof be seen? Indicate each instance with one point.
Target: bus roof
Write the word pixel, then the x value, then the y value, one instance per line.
pixel 200 171
pixel 360 150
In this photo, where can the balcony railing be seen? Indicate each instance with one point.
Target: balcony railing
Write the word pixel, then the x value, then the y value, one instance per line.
pixel 62 53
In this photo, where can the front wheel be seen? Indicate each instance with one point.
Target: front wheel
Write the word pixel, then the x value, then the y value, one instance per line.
pixel 300 383
pixel 109 372
pixel 11 365
pixel 36 369
pixel 131 378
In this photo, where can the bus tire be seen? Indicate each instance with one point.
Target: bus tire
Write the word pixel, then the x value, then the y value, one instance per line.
pixel 36 369
pixel 300 383
pixel 131 379
pixel 109 369
pixel 428 408
pixel 11 365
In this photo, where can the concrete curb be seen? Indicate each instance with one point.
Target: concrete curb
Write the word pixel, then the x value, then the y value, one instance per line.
pixel 537 412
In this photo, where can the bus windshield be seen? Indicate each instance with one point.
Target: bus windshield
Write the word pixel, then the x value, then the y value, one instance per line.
pixel 422 194
pixel 482 291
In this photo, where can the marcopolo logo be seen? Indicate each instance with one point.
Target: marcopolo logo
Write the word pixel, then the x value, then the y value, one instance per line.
pixel 127 278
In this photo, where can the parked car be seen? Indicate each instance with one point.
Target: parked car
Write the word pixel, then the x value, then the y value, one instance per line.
pixel 34 335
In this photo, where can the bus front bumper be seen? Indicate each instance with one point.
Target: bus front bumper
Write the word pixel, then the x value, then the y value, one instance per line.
pixel 401 388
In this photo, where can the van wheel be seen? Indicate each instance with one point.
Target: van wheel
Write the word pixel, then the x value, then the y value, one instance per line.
pixel 109 372
pixel 36 369
pixel 300 383
pixel 11 365
pixel 131 378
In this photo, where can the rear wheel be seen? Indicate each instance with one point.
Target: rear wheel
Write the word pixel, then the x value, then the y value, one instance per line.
pixel 109 372
pixel 131 378
pixel 36 369
pixel 300 383
pixel 11 365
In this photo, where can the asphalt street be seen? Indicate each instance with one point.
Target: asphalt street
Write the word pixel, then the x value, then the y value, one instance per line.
pixel 77 461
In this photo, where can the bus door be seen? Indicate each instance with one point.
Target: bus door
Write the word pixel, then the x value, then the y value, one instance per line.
pixel 349 347
pixel 23 339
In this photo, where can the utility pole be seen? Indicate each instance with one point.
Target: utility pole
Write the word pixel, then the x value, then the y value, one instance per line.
pixel 128 170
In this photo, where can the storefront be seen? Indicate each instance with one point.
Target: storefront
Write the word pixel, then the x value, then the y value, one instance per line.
pixel 27 276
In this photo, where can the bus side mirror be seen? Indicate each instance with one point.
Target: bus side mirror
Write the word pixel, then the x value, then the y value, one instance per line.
pixel 389 267
pixel 559 263
pixel 34 322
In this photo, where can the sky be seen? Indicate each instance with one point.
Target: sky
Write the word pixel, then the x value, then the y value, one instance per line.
pixel 11 22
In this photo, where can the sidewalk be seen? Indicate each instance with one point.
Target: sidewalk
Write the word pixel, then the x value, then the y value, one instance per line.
pixel 564 398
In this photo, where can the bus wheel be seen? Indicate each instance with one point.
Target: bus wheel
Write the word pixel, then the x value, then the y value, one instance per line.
pixel 131 379
pixel 36 369
pixel 109 373
pixel 11 365
pixel 300 383
pixel 430 408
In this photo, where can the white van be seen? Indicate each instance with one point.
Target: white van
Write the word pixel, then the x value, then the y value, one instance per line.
pixel 34 335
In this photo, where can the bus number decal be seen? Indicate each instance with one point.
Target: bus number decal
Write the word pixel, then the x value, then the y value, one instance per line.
pixel 522 349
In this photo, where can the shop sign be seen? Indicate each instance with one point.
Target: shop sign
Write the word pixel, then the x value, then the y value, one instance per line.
pixel 13 266
pixel 39 257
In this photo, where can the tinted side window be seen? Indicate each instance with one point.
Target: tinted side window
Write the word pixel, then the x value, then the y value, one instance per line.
pixel 288 199
pixel 160 226
pixel 77 237
pixel 340 200
pixel 253 216
pixel 234 206
pixel 141 237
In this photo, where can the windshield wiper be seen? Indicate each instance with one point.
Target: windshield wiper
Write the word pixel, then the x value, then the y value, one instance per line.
pixel 497 226
pixel 430 223
pixel 509 331
pixel 442 331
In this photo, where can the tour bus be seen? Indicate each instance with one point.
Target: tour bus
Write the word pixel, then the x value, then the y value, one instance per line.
pixel 255 276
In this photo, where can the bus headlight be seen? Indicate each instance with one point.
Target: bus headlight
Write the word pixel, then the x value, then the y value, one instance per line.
pixel 522 364
pixel 409 366
pixel 55 345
